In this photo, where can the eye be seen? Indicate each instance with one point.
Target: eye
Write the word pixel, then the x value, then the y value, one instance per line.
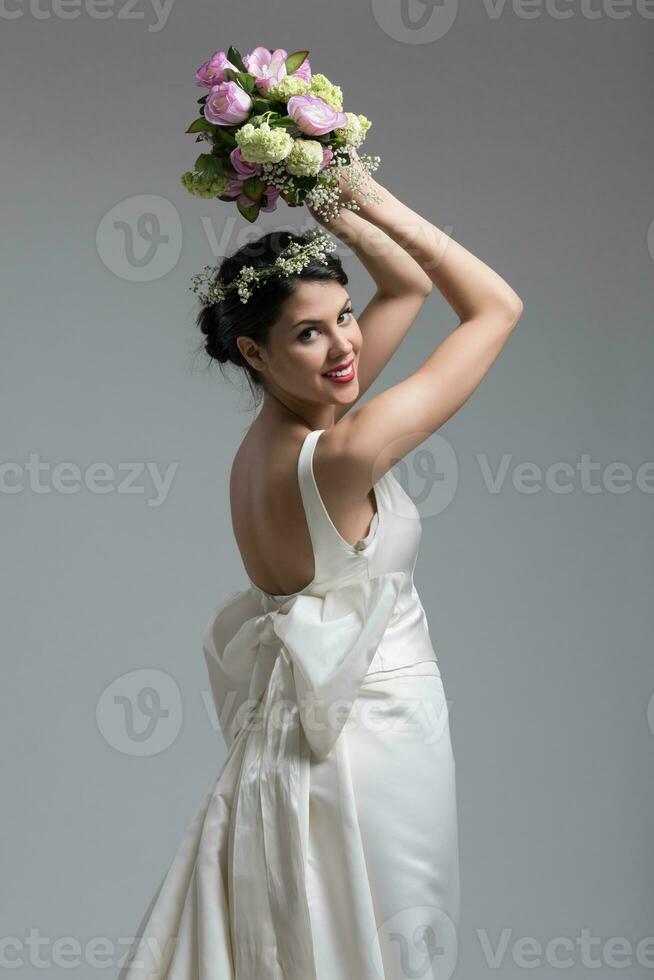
pixel 303 335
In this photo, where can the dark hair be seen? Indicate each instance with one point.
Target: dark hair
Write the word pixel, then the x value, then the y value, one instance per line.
pixel 223 322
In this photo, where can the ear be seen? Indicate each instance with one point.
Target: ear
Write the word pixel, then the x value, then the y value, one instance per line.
pixel 252 352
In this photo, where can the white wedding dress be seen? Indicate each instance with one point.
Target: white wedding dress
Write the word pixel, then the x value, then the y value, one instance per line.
pixel 327 847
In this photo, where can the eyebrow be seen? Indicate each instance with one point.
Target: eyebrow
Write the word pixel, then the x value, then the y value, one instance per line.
pixel 300 322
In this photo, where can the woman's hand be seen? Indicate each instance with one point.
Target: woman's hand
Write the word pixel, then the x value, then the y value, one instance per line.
pixel 355 174
pixel 352 173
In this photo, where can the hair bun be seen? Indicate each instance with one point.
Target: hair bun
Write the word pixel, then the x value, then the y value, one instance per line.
pixel 209 322
pixel 216 346
pixel 220 354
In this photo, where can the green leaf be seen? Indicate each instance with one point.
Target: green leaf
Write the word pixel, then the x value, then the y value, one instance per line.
pixel 235 57
pixel 223 136
pixel 294 61
pixel 242 78
pixel 204 98
pixel 251 214
pixel 208 164
pixel 200 125
pixel 254 188
pixel 229 75
pixel 261 105
pixel 286 122
pixel 249 81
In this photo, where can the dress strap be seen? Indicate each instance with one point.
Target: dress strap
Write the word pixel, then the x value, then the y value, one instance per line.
pixel 329 548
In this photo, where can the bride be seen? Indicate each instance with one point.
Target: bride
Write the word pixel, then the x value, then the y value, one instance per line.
pixel 327 847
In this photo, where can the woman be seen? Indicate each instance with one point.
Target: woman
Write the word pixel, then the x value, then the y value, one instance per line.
pixel 327 848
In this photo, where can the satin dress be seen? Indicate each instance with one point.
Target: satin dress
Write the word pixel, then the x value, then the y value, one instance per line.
pixel 326 848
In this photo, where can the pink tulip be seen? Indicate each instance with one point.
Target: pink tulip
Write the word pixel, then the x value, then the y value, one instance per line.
pixel 269 67
pixel 244 168
pixel 213 71
pixel 327 157
pixel 227 104
pixel 314 116
pixel 304 71
pixel 234 189
pixel 270 196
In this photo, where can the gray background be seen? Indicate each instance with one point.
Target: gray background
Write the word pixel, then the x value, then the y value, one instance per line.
pixel 525 134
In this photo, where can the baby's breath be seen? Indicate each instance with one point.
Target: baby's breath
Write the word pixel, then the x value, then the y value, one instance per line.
pixel 290 260
pixel 325 197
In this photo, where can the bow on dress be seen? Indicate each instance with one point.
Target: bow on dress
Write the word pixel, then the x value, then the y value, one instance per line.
pixel 299 667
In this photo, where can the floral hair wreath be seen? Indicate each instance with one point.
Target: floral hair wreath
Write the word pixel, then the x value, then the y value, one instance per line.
pixel 294 257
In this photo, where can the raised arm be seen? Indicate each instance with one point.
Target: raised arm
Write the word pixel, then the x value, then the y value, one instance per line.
pixel 402 289
pixel 372 436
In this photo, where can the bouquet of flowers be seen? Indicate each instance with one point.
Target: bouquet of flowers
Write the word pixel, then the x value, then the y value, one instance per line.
pixel 275 129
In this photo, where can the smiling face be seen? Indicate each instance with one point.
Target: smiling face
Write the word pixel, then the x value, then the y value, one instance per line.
pixel 316 333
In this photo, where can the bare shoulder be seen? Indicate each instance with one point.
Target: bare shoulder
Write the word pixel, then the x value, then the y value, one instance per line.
pixel 267 460
pixel 342 469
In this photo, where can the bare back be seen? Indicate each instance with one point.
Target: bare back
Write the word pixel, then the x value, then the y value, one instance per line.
pixel 267 512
